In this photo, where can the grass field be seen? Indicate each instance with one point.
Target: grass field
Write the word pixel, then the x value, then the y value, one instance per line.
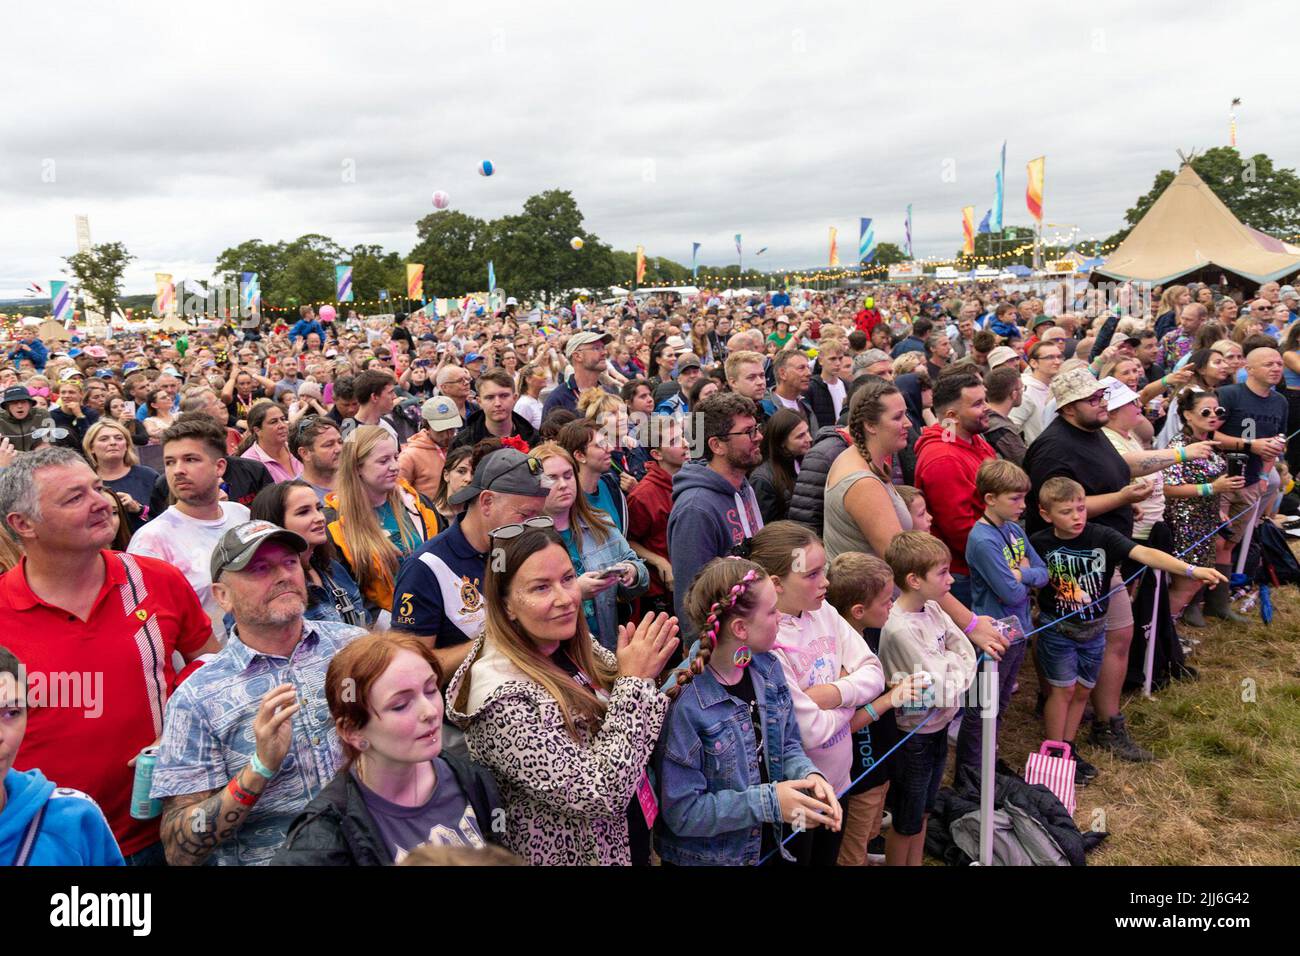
pixel 1226 787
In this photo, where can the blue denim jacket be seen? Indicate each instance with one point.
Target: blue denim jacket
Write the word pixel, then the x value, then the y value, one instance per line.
pixel 712 803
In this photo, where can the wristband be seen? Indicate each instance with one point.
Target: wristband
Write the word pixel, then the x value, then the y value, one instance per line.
pixel 242 796
pixel 1182 455
pixel 1190 571
pixel 259 768
pixel 970 625
pixel 871 712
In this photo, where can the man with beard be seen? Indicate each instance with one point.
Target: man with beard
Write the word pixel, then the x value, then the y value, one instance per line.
pixel 948 456
pixel 194 459
pixel 318 443
pixel 586 352
pixel 226 735
pixel 714 506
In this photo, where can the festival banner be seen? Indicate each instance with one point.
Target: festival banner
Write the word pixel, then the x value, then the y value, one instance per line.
pixel 1034 192
pixel 343 282
pixel 835 250
pixel 164 302
pixel 968 230
pixel 907 232
pixel 866 242
pixel 995 224
pixel 492 277
pixel 984 223
pixel 415 282
pixel 250 293
pixel 640 264
pixel 695 253
pixel 60 300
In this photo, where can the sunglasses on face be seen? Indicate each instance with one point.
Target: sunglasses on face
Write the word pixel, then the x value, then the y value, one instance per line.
pixel 508 531
pixel 1217 412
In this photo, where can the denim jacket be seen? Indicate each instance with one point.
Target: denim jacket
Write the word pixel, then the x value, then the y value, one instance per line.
pixel 596 556
pixel 712 803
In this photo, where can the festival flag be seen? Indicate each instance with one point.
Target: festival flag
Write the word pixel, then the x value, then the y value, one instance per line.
pixel 907 232
pixel 1034 192
pixel 984 223
pixel 60 300
pixel 343 282
pixel 415 281
pixel 760 252
pixel 250 296
pixel 695 252
pixel 738 252
pixel 640 264
pixel 383 295
pixel 164 302
pixel 492 277
pixel 835 250
pixel 968 230
pixel 866 242
pixel 995 225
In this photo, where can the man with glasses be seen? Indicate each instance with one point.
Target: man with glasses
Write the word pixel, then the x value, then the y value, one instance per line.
pixel 437 591
pixel 318 443
pixel 714 506
pixel 1044 364
pixel 586 352
pixel 455 383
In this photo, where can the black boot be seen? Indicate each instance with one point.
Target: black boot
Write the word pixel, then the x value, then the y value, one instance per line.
pixel 1217 599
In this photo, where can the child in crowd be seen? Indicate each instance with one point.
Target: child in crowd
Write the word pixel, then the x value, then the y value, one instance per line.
pixel 729 761
pixel 1003 568
pixel 830 669
pixel 916 507
pixel 1081 558
pixel 861 588
pixel 920 636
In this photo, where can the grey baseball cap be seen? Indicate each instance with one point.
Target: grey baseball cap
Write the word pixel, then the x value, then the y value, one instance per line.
pixel 441 413
pixel 579 339
pixel 506 471
pixel 238 545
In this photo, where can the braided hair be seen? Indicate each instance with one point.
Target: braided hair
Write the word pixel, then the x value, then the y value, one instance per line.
pixel 867 408
pixel 725 589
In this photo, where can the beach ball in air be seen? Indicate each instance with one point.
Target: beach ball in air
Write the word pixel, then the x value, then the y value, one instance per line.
pixel 576 242
pixel 486 168
pixel 328 313
pixel 441 200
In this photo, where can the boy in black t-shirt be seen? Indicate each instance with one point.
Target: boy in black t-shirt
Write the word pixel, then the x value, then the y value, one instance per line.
pixel 1081 558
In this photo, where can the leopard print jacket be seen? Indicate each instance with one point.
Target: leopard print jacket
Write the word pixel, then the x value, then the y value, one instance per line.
pixel 565 800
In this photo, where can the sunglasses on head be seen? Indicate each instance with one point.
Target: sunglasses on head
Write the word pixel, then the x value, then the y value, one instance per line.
pixel 508 531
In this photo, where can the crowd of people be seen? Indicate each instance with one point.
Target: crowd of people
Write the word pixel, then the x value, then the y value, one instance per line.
pixel 702 581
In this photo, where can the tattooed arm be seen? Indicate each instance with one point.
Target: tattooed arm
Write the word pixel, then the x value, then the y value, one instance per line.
pixel 194 825
pixel 1146 462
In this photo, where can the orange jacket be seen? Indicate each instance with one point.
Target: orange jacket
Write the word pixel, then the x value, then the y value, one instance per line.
pixel 421 463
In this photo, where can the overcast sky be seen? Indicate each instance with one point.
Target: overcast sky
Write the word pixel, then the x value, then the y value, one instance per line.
pixel 182 129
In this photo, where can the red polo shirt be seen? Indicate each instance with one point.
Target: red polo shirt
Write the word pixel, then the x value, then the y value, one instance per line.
pixel 96 689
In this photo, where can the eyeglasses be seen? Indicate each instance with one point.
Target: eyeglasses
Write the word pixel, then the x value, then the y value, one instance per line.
pixel 751 432
pixel 1217 412
pixel 1094 400
pixel 508 531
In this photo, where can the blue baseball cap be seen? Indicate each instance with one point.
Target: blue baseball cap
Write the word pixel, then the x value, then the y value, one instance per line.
pixel 103 373
pixel 473 357
pixel 130 366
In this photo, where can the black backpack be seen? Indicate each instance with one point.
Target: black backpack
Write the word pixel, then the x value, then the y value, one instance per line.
pixel 1277 564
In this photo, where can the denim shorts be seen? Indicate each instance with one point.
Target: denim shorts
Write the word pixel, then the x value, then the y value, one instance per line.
pixel 1066 661
pixel 915 777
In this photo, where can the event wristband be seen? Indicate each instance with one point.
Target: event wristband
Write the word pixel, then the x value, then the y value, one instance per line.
pixel 1182 454
pixel 242 796
pixel 970 625
pixel 1190 570
pixel 871 712
pixel 259 768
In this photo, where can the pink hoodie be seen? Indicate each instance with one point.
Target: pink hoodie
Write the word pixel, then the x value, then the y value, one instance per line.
pixel 812 648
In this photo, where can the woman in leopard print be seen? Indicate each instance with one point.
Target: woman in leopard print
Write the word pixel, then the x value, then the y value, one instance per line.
pixel 567 727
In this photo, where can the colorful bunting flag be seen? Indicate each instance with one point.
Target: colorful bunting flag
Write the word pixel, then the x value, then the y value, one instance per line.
pixel 968 230
pixel 995 225
pixel 835 250
pixel 866 242
pixel 1034 192
pixel 343 282
pixel 415 281
pixel 60 300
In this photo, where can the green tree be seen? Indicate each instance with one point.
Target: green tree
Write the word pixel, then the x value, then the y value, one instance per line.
pixel 373 270
pixel 531 251
pixel 266 259
pixel 451 245
pixel 308 271
pixel 887 254
pixel 99 270
pixel 1260 194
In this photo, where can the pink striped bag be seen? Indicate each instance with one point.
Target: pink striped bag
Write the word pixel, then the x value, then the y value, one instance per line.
pixel 1054 773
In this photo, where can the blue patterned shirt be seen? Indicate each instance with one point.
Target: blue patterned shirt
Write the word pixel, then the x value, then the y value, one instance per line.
pixel 208 735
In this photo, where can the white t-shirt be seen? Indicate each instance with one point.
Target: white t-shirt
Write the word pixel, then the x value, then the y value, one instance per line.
pixel 531 409
pixel 186 543
pixel 837 390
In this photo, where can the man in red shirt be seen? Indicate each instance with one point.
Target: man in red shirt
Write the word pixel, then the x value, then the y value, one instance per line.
pixel 648 505
pixel 948 455
pixel 97 631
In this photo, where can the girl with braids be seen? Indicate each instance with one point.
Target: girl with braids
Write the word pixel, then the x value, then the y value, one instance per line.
pixel 566 727
pixel 729 762
pixel 828 666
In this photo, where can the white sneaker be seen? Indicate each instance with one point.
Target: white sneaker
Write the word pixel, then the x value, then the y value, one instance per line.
pixel 875 859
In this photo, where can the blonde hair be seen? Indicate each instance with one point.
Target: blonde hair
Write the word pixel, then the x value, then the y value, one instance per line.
pixel 736 359
pixel 108 424
pixel 581 513
pixel 1059 489
pixel 915 552
pixel 363 535
pixel 908 362
pixel 595 402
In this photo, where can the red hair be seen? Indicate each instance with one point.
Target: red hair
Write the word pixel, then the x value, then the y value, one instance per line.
pixel 354 670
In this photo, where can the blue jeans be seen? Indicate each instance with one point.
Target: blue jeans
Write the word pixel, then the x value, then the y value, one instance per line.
pixel 149 856
pixel 1066 661
pixel 915 779
pixel 971 735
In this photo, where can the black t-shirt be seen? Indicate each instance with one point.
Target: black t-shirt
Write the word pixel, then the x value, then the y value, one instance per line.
pixel 1267 416
pixel 743 690
pixel 1079 572
pixel 1087 457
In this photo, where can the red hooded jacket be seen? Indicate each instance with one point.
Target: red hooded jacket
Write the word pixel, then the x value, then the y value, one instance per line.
pixel 648 505
pixel 945 474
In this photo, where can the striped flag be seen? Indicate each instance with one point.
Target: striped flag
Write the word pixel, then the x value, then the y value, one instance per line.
pixel 968 230
pixel 415 281
pixel 835 249
pixel 984 223
pixel 251 297
pixel 60 300
pixel 995 225
pixel 866 242
pixel 640 264
pixel 738 252
pixel 907 232
pixel 343 282
pixel 695 254
pixel 492 277
pixel 1034 192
